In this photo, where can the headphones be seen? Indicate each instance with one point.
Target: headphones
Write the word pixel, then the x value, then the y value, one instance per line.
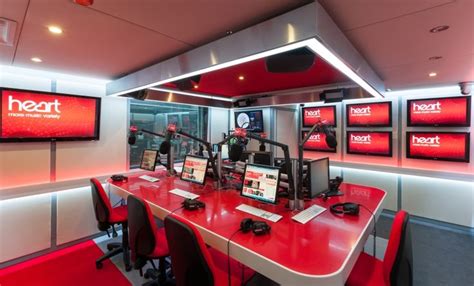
pixel 191 205
pixel 119 178
pixel 345 208
pixel 257 227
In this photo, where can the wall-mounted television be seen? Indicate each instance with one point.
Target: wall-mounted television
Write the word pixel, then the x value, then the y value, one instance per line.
pixel 311 115
pixel 46 116
pixel 250 120
pixel 369 143
pixel 443 111
pixel 317 142
pixel 444 146
pixel 375 114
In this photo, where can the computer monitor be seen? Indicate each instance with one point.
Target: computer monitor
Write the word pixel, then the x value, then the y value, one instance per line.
pixel 318 176
pixel 149 159
pixel 225 152
pixel 259 157
pixel 261 183
pixel 194 169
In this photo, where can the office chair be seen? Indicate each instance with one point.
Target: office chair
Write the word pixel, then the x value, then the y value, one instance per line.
pixel 107 217
pixel 147 242
pixel 193 262
pixel 397 267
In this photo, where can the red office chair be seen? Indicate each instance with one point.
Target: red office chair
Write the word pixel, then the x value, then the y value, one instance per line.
pixel 397 267
pixel 108 217
pixel 193 262
pixel 147 242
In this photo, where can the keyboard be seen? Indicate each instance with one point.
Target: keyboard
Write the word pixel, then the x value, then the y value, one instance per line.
pixel 308 214
pixel 259 212
pixel 184 194
pixel 149 178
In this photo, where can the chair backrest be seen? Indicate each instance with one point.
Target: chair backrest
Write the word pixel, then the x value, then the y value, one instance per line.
pixel 192 263
pixel 398 260
pixel 102 206
pixel 141 230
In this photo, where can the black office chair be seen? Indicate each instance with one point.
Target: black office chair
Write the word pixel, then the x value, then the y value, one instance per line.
pixel 147 242
pixel 107 217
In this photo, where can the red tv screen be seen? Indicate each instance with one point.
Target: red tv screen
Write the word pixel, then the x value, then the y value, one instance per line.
pixel 311 115
pixel 445 146
pixel 446 111
pixel 369 143
pixel 39 116
pixel 377 114
pixel 317 142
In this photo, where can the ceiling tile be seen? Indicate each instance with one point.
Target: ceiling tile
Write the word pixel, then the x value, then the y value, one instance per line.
pixel 351 14
pixel 12 10
pixel 93 44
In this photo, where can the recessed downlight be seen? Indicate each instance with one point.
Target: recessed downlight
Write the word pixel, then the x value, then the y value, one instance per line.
pixel 36 60
pixel 196 86
pixel 432 74
pixel 241 77
pixel 435 58
pixel 55 30
pixel 438 29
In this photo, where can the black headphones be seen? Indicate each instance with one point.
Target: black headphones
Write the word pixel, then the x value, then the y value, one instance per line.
pixel 345 208
pixel 257 227
pixel 191 205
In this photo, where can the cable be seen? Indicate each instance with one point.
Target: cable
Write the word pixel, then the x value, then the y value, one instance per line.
pixel 375 225
pixel 228 254
pixel 175 210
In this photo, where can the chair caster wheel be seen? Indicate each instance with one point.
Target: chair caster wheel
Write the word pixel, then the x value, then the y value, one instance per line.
pixel 99 265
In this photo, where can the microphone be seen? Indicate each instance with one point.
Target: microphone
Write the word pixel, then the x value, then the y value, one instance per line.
pixel 132 136
pixel 235 152
pixel 331 140
pixel 166 145
pixel 262 147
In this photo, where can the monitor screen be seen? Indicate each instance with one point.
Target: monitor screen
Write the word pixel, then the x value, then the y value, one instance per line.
pixel 225 152
pixel 39 116
pixel 318 176
pixel 149 160
pixel 194 169
pixel 317 142
pixel 249 120
pixel 312 115
pixel 377 114
pixel 445 146
pixel 369 143
pixel 259 157
pixel 446 111
pixel 261 183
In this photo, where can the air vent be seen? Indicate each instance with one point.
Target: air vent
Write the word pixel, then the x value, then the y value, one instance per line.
pixel 7 31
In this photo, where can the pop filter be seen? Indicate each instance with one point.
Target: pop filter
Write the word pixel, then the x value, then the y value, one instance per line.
pixel 235 152
pixel 165 147
pixel 132 135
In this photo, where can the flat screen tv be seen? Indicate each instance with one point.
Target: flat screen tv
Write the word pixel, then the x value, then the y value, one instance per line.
pixel 250 120
pixel 443 111
pixel 317 142
pixel 311 115
pixel 376 114
pixel 444 146
pixel 369 143
pixel 46 116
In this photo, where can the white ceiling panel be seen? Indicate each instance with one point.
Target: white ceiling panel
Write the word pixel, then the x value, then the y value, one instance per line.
pixel 352 14
pixel 199 21
pixel 92 44
pixel 13 10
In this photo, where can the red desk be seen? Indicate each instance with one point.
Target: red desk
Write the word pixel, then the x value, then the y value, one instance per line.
pixel 321 252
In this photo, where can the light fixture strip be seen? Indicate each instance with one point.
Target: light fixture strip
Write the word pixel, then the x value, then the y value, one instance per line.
pixel 312 43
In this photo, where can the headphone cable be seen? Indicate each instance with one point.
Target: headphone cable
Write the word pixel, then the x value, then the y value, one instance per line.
pixel 375 226
pixel 228 255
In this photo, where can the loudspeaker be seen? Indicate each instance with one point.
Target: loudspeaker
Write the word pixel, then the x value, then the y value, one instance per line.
pixel 140 94
pixel 292 61
pixel 188 83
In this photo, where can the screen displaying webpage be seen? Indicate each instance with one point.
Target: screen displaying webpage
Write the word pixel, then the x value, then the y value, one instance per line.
pixel 261 183
pixel 194 169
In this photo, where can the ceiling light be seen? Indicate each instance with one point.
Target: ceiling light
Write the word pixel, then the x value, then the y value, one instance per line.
pixel 196 86
pixel 432 74
pixel 438 29
pixel 241 77
pixel 434 58
pixel 55 30
pixel 36 60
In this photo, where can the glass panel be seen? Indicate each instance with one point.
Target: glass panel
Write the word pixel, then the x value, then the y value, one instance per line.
pixel 155 116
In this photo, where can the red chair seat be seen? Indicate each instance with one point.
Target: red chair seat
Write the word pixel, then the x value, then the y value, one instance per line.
pixel 220 261
pixel 368 271
pixel 118 215
pixel 161 248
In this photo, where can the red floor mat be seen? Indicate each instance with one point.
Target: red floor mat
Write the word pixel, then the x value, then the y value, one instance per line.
pixel 74 265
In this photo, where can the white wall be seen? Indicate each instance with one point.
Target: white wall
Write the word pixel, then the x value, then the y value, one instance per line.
pixel 218 124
